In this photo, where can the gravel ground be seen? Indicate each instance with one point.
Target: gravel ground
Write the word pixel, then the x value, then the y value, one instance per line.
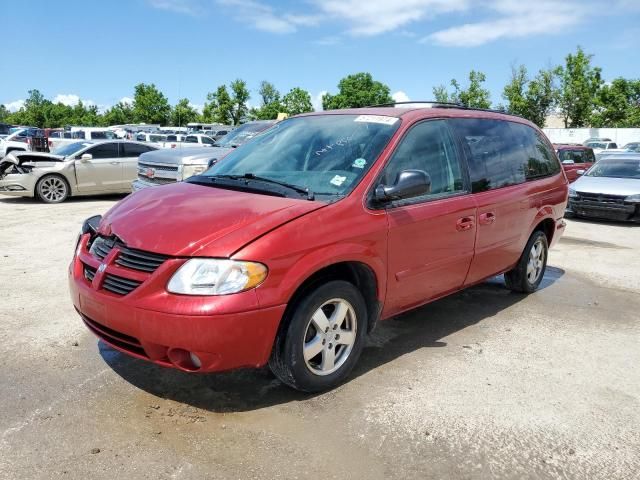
pixel 483 384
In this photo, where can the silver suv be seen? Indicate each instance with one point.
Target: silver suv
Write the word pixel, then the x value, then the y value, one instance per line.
pixel 174 165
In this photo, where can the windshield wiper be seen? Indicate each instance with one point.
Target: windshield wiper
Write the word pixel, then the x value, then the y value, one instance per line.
pixel 251 176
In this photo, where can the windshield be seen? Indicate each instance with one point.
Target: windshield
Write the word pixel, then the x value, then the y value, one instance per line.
pixel 326 154
pixel 70 148
pixel 596 145
pixel 242 134
pixel 632 146
pixel 616 168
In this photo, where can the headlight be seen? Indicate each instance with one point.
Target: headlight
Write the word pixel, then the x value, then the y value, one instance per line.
pixel 191 170
pixel 633 198
pixel 209 276
pixel 572 193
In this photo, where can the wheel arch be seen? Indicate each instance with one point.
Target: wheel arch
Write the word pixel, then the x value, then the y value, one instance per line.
pixel 356 272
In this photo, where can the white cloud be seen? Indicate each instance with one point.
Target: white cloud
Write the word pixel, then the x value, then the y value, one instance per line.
pixel 186 7
pixel 380 16
pixel 126 100
pixel 317 100
pixel 517 19
pixel 400 96
pixel 328 41
pixel 15 105
pixel 68 99
pixel 265 18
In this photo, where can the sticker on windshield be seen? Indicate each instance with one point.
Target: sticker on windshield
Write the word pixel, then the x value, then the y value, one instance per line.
pixel 359 163
pixel 376 119
pixel 338 180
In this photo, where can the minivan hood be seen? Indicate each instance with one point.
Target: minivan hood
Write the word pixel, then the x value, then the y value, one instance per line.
pixel 184 219
pixel 607 185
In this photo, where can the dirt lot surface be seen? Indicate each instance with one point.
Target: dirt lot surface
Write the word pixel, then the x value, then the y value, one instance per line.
pixel 483 384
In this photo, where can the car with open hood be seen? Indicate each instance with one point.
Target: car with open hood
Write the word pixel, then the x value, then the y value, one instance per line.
pixel 291 249
pixel 609 190
pixel 75 169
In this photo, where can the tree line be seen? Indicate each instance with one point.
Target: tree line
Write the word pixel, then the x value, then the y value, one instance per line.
pixel 574 90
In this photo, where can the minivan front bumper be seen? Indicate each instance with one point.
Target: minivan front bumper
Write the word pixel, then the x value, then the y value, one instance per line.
pixel 220 341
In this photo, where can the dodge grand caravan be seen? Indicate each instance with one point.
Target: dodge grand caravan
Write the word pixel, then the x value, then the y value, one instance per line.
pixel 290 250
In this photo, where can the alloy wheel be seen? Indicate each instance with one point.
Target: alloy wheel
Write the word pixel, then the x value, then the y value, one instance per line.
pixel 330 337
pixel 53 189
pixel 536 261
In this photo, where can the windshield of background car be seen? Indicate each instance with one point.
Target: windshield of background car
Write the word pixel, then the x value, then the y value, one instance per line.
pixel 242 134
pixel 70 148
pixel 327 154
pixel 616 168
pixel 596 145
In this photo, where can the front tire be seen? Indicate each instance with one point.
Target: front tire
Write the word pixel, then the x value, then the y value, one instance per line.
pixel 52 189
pixel 528 272
pixel 321 339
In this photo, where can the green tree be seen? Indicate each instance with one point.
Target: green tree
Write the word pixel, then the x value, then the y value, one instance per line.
pixel 150 105
pixel 297 101
pixel 473 96
pixel 218 106
pixel 120 114
pixel 532 99
pixel 515 91
pixel 183 113
pixel 268 93
pixel 618 105
pixel 579 86
pixel 358 90
pixel 239 97
pixel 4 114
pixel 271 103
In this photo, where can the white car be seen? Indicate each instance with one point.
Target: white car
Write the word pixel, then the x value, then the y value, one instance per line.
pixel 18 141
pixel 601 146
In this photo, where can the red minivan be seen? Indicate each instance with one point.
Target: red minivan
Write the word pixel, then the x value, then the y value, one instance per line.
pixel 290 250
pixel 574 158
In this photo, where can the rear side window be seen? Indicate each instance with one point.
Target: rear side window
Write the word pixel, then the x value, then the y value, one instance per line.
pixel 133 149
pixel 495 160
pixel 538 159
pixel 191 139
pixel 429 146
pixel 207 141
pixel 504 153
pixel 104 150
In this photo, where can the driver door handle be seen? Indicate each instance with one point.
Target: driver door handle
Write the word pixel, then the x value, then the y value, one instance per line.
pixel 115 163
pixel 464 223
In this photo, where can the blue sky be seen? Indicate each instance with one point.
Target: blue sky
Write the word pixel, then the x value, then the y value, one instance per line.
pixel 97 51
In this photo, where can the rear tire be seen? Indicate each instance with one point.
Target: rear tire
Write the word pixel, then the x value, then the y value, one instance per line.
pixel 321 338
pixel 528 272
pixel 52 189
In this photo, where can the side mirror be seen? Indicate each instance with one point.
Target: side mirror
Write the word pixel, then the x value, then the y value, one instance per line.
pixel 86 157
pixel 568 162
pixel 409 183
pixel 580 172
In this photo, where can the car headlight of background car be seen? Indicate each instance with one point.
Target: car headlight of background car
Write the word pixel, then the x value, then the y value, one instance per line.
pixel 191 170
pixel 572 193
pixel 210 276
pixel 633 198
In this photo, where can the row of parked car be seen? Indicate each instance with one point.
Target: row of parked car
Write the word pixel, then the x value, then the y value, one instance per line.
pixel 120 166
pixel 110 166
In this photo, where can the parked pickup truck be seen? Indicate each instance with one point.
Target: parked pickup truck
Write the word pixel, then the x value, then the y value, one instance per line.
pixel 77 134
pixel 175 164
pixel 19 140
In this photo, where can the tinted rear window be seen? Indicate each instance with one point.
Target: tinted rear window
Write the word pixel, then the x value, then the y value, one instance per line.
pixel 503 153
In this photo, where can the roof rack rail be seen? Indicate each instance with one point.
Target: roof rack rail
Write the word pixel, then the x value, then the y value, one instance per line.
pixel 431 103
pixel 435 104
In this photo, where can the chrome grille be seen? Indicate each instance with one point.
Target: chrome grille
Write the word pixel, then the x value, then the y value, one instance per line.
pixel 164 168
pixel 605 199
pixel 157 180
